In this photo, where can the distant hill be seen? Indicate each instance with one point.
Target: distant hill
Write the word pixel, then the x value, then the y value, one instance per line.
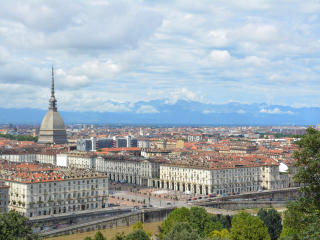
pixel 181 112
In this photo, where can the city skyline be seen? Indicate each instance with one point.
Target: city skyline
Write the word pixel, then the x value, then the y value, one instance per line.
pixel 106 53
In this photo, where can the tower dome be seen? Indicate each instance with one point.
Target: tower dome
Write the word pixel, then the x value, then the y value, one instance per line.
pixel 52 129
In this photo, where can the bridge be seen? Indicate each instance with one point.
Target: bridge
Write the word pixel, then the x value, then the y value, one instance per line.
pixel 285 194
pixel 238 205
pixel 148 215
pixel 275 198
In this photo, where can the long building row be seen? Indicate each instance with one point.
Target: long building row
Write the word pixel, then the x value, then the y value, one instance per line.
pixel 234 177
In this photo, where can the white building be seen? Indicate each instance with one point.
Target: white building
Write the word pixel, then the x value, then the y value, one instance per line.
pixel 38 157
pixel 4 197
pixel 81 160
pixel 37 190
pixel 205 180
pixel 131 170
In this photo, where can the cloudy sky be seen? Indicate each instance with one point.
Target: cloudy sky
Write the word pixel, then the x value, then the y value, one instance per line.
pixel 247 51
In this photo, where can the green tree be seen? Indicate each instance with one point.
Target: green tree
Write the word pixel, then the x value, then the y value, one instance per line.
pixel 15 226
pixel 119 236
pixel 176 216
pixel 99 236
pixel 296 221
pixel 202 222
pixel 137 235
pixel 272 220
pixel 87 238
pixel 302 216
pixel 224 220
pixel 181 230
pixel 247 227
pixel 20 137
pixel 312 231
pixel 308 163
pixel 223 234
pixel 138 225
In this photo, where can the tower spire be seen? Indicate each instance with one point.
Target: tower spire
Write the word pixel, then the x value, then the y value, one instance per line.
pixel 52 83
pixel 52 101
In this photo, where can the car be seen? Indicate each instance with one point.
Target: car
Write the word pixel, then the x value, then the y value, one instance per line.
pixel 210 195
pixel 199 197
pixel 189 199
pixel 169 203
pixel 194 198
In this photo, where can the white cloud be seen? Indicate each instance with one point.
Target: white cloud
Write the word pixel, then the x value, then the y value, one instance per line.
pixel 123 51
pixel 257 32
pixel 220 56
pixel 275 111
pixel 182 93
pixel 147 109
pixel 218 38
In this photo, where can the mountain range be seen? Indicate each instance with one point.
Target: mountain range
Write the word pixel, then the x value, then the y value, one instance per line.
pixel 181 112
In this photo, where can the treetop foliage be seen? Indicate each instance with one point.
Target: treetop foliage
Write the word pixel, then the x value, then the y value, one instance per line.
pixel 20 137
pixel 272 220
pixel 15 226
pixel 248 227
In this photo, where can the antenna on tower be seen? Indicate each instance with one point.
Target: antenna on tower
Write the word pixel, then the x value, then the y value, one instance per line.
pixel 52 101
pixel 52 83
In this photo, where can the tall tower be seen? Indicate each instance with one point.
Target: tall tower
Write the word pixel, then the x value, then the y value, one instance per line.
pixel 52 130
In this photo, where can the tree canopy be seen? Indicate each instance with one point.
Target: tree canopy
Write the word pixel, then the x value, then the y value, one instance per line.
pixel 137 234
pixel 308 163
pixel 197 218
pixel 20 137
pixel 272 220
pixel 15 226
pixel 181 230
pixel 247 227
pixel 302 218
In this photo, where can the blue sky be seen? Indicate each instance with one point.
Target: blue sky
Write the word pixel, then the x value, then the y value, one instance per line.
pixel 247 51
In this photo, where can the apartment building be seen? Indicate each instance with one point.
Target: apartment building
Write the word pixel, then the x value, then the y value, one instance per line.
pixel 4 197
pixel 133 170
pixel 29 157
pixel 37 189
pixel 232 179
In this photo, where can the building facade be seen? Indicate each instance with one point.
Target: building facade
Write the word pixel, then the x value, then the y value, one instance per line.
pixel 4 197
pixel 203 180
pixel 138 171
pixel 36 190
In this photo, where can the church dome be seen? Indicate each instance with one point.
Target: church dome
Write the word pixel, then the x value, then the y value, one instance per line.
pixel 52 121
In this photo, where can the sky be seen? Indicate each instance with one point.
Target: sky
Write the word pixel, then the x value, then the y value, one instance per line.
pixel 109 55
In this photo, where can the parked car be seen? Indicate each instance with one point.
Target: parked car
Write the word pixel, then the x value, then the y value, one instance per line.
pixel 210 195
